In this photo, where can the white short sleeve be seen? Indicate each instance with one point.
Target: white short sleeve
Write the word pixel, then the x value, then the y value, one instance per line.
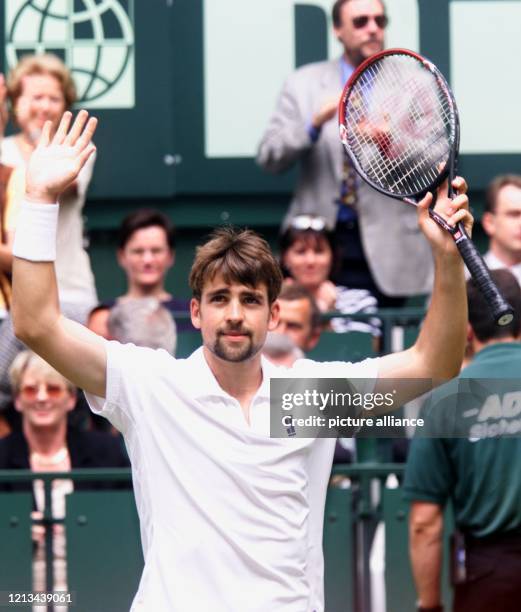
pixel 129 369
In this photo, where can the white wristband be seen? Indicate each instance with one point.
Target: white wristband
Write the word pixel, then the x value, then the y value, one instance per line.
pixel 35 234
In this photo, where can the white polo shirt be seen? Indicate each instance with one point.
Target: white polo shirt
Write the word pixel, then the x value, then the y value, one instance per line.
pixel 231 520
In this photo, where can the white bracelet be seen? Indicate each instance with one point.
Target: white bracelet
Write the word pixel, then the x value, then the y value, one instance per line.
pixel 35 234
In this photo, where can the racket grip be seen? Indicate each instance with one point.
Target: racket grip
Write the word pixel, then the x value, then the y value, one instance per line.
pixel 500 309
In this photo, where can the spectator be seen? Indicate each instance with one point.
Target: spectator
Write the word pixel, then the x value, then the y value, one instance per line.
pixel 307 256
pixel 47 444
pixel 146 251
pixel 376 254
pixel 40 88
pixel 144 322
pixel 281 350
pixel 299 317
pixel 480 476
pixel 502 222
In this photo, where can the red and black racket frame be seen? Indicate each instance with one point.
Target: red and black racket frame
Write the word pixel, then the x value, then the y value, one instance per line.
pixel 500 309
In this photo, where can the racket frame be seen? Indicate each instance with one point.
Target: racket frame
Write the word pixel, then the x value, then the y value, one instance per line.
pixel 454 137
pixel 500 310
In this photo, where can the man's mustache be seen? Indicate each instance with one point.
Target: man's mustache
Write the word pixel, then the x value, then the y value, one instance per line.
pixel 234 330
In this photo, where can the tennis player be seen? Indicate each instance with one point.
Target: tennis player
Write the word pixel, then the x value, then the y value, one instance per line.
pixel 231 519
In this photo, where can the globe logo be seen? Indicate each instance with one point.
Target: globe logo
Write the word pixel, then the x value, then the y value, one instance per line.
pixel 95 39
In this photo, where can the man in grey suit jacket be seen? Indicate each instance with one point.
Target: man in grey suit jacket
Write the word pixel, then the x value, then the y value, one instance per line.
pixel 383 248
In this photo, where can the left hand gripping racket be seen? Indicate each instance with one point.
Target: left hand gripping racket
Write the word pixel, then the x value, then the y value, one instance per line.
pixel 399 125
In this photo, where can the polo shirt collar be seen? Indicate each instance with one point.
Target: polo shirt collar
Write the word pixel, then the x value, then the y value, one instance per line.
pixel 206 384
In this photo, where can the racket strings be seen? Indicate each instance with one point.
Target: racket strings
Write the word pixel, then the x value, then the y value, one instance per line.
pixel 408 158
pixel 399 124
pixel 387 87
pixel 416 113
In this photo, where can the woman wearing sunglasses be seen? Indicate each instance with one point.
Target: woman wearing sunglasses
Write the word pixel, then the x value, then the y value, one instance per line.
pixel 307 256
pixel 46 443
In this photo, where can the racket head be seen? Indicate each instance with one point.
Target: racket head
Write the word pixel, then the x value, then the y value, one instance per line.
pixel 399 124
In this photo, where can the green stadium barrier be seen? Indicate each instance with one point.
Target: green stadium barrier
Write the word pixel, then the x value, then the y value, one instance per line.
pixel 351 346
pixel 409 337
pixel 104 557
pixel 339 574
pixel 16 548
pixel 400 592
pixel 104 551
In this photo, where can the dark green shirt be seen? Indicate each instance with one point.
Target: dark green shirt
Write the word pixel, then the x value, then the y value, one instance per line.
pixel 479 471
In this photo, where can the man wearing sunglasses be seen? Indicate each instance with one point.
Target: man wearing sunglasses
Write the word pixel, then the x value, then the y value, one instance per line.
pixel 376 253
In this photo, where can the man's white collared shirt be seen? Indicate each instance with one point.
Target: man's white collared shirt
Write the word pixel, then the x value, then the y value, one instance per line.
pixel 231 519
pixel 494 263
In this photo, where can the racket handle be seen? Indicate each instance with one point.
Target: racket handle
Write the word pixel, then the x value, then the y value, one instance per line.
pixel 500 309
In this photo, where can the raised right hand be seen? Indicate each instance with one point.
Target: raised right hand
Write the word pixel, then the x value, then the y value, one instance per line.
pixel 454 211
pixel 327 112
pixel 56 162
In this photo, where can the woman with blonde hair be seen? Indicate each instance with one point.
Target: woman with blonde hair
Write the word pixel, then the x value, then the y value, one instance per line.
pixel 47 442
pixel 39 89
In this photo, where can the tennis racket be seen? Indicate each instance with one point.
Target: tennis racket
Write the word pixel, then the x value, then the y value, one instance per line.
pixel 399 125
